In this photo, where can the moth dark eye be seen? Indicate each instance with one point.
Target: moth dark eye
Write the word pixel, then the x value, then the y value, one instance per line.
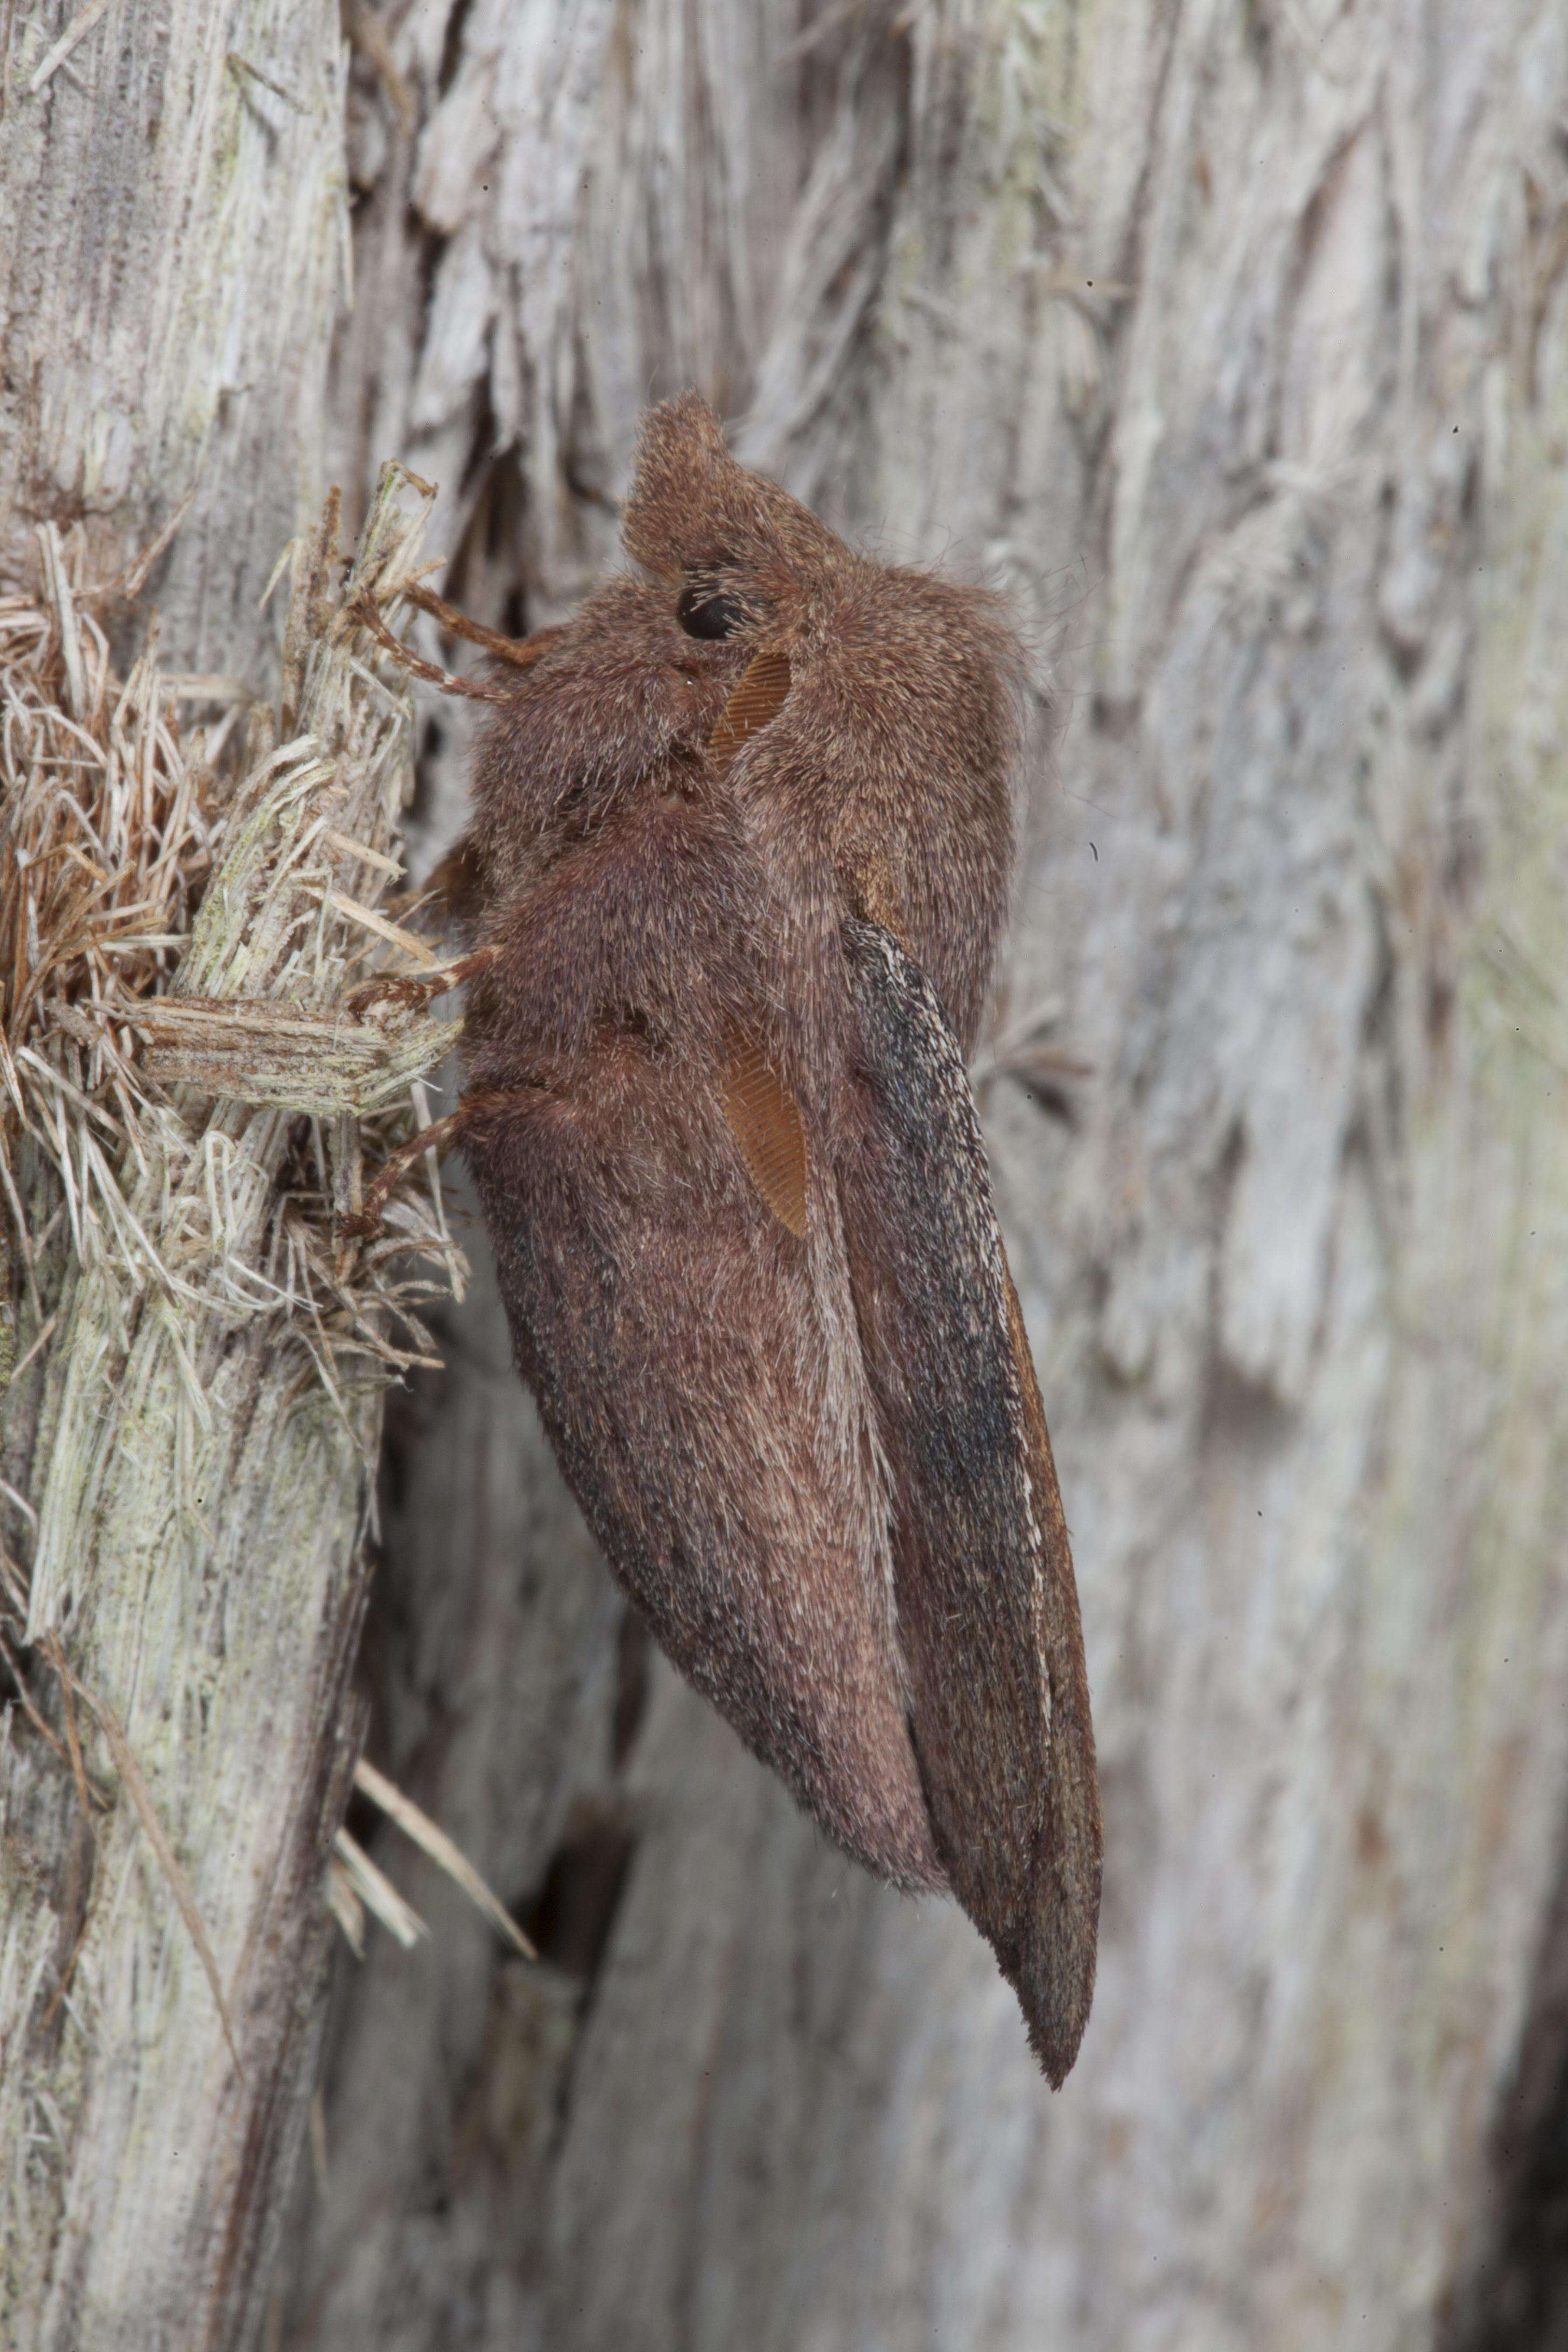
pixel 708 613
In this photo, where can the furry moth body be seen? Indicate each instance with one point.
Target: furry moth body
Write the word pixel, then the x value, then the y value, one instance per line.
pixel 740 856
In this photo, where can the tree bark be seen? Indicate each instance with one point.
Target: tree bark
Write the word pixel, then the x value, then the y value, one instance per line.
pixel 1235 341
pixel 196 1400
pixel 173 255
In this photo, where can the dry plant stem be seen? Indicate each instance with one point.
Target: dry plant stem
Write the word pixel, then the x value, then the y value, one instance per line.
pixel 133 1781
pixel 425 1833
pixel 261 1053
pixel 366 30
pixel 187 1457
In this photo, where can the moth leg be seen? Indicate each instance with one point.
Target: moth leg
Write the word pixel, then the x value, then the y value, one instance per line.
pixel 367 612
pixel 438 1137
pixel 522 652
pixel 414 991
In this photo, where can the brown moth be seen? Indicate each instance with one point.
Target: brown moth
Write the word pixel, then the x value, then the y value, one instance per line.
pixel 740 859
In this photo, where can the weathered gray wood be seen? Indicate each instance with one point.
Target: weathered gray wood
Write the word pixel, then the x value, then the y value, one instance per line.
pixel 1237 340
pixel 493 1698
pixel 173 251
pixel 193 1499
pixel 189 1454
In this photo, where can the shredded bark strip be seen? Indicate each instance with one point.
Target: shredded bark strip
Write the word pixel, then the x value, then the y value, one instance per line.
pixel 194 1105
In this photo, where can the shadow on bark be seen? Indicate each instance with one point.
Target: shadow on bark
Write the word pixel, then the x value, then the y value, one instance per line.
pixel 1514 2293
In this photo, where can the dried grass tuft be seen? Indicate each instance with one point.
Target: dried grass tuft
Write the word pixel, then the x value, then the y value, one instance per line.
pixel 191 1106
pixel 179 927
pixel 416 1823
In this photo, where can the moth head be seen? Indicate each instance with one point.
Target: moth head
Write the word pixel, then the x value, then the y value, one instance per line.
pixel 737 554
pixel 902 686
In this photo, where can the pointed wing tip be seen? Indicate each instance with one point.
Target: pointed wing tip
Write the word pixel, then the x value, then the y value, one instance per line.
pixel 1052 1964
pixel 1045 1933
pixel 1055 2052
pixel 1057 1990
pixel 1057 2020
